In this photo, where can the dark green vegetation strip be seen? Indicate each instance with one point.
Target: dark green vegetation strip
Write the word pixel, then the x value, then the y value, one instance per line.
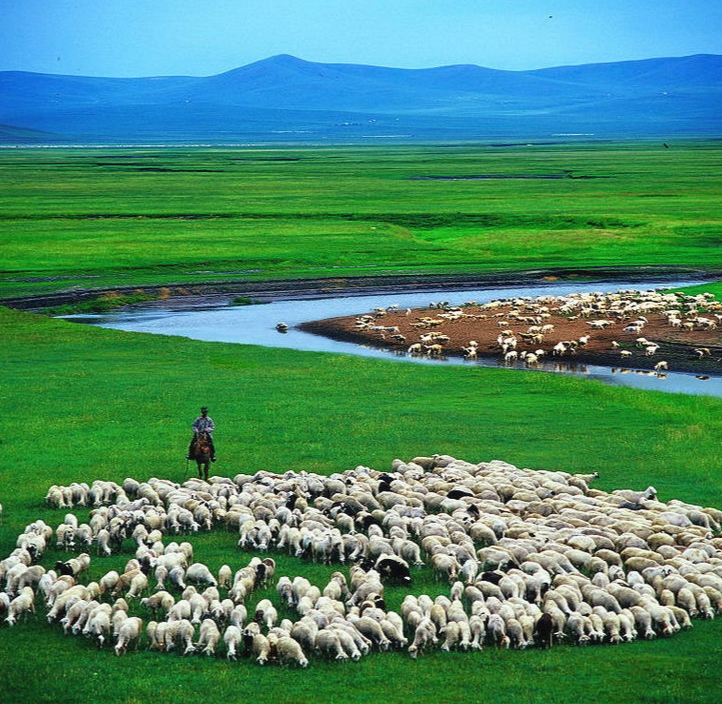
pixel 83 403
pixel 108 218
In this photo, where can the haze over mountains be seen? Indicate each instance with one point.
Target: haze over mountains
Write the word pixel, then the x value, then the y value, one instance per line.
pixel 287 99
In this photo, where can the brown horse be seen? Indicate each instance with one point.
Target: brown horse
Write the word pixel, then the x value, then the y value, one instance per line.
pixel 201 453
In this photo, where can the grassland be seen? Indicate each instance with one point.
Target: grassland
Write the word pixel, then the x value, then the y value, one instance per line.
pixel 99 218
pixel 81 403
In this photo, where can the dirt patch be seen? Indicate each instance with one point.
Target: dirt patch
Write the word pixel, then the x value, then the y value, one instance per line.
pixel 693 348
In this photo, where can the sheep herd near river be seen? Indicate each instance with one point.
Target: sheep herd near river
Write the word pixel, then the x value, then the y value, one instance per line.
pixel 654 330
pixel 523 558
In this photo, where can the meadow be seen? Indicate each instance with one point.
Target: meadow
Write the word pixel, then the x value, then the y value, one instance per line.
pixel 103 217
pixel 80 403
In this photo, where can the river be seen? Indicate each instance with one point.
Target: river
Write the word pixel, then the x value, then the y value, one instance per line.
pixel 212 319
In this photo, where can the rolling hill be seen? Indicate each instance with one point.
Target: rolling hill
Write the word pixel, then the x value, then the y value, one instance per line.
pixel 287 99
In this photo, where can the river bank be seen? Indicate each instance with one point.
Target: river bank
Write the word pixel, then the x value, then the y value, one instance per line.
pixel 196 294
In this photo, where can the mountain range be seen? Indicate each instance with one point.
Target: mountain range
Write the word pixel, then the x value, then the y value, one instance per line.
pixel 286 99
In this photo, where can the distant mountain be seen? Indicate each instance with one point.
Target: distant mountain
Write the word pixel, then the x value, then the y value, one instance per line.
pixel 287 99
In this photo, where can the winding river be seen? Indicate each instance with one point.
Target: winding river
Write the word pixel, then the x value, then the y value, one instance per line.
pixel 212 319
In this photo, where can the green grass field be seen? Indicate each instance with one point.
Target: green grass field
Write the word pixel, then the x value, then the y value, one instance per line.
pixel 101 217
pixel 81 403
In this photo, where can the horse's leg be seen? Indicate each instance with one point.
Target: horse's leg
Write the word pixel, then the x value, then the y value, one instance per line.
pixel 205 469
pixel 200 469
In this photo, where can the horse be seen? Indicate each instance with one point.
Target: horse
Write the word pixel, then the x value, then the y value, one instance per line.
pixel 201 453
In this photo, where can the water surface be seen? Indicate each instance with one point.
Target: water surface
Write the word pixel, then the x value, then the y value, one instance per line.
pixel 213 320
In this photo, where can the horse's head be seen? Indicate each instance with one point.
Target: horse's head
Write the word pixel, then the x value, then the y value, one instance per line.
pixel 203 442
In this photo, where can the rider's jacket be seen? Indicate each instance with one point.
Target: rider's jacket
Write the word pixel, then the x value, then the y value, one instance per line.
pixel 201 424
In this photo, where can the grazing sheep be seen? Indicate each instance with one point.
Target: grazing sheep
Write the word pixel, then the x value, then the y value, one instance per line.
pixel 21 605
pixel 225 577
pixel 266 614
pixel 233 638
pixel 209 636
pixel 128 633
pixel 289 652
pixel 328 645
pixel 560 560
pixel 180 633
pixel 543 630
pixel 198 573
pixel 99 625
pixel 424 638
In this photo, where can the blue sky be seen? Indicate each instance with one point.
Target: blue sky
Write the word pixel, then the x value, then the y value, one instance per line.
pixel 205 37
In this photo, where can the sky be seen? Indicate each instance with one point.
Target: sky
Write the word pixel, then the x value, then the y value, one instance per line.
pixel 133 38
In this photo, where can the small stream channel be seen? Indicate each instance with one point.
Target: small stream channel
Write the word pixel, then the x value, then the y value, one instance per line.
pixel 212 319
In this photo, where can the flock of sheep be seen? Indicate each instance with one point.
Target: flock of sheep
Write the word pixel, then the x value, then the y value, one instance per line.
pixel 526 331
pixel 521 557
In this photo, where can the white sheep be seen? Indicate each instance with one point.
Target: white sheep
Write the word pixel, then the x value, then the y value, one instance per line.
pixel 233 638
pixel 425 637
pixel 225 577
pixel 21 605
pixel 209 636
pixel 180 633
pixel 289 651
pixel 198 573
pixel 328 644
pixel 99 625
pixel 266 614
pixel 128 633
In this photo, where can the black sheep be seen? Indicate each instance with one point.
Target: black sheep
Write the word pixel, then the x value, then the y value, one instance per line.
pixel 543 631
pixel 393 569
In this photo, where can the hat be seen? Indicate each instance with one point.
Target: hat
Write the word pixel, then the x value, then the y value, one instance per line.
pixel 204 408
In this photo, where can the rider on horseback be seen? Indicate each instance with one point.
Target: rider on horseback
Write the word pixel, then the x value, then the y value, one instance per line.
pixel 203 424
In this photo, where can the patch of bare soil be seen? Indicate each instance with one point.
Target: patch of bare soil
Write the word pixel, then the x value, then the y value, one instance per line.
pixel 690 345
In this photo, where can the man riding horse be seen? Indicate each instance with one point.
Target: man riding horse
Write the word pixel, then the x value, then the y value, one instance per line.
pixel 203 424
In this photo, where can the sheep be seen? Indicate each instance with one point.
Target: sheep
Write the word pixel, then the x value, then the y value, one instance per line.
pixel 99 625
pixel 305 631
pixel 445 567
pixel 532 530
pixel 198 573
pixel 266 614
pixel 21 605
pixel 496 631
pixel 328 645
pixel 103 540
pixel 371 629
pixel 353 644
pixel 138 584
pixel 636 497
pixel 233 638
pixel 289 651
pixel 544 630
pixel 72 619
pixel 579 626
pixel 424 638
pixel 129 632
pixel 515 633
pixel 180 633
pixel 209 636
pixel 160 600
